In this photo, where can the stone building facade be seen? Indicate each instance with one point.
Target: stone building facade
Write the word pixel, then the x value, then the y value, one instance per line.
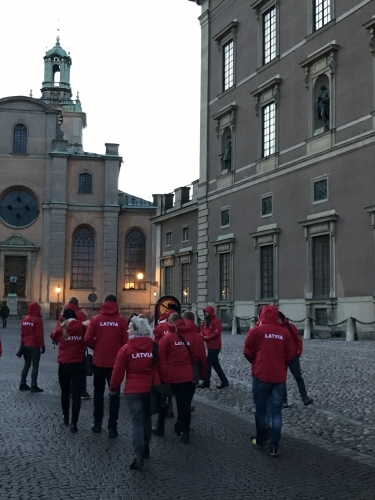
pixel 284 209
pixel 65 228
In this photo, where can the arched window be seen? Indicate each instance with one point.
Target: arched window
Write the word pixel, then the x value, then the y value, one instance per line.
pixel 135 259
pixel 83 259
pixel 85 183
pixel 19 139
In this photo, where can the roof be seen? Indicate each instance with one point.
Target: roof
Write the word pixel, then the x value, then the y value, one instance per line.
pixel 57 49
pixel 127 200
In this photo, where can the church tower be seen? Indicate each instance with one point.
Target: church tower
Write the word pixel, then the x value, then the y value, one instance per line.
pixel 56 92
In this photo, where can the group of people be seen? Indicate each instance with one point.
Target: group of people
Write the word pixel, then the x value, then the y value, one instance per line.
pixel 171 357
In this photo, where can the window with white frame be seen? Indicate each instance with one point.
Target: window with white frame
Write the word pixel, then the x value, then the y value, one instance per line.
pixel 320 190
pixel 168 238
pixel 269 35
pixel 225 275
pixel 228 65
pixel 267 205
pixel 321 13
pixel 185 233
pixel 269 129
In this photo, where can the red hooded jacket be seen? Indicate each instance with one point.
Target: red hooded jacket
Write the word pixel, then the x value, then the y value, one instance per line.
pixel 81 316
pixel 212 333
pixel 32 334
pixel 71 349
pixel 106 334
pixel 135 359
pixel 162 328
pixel 175 360
pixel 269 347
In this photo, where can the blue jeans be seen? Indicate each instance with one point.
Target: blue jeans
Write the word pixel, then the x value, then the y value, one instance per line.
pixel 139 409
pixel 262 391
pixel 268 408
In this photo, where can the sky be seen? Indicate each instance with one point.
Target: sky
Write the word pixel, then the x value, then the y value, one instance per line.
pixel 136 66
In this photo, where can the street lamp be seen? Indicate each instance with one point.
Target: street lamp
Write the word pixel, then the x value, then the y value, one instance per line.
pixel 58 290
pixel 140 276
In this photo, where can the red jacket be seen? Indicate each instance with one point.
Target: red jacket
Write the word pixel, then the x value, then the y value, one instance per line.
pixel 161 329
pixel 269 347
pixel 296 336
pixel 81 316
pixel 175 360
pixel 135 359
pixel 212 333
pixel 32 334
pixel 106 334
pixel 72 349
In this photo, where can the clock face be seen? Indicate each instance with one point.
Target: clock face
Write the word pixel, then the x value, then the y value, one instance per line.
pixel 18 208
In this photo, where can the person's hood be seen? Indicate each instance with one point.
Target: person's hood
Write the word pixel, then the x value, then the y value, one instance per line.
pixel 191 326
pixel 71 306
pixel 109 308
pixel 269 314
pixel 141 344
pixel 73 326
pixel 209 310
pixel 181 326
pixel 163 317
pixel 34 309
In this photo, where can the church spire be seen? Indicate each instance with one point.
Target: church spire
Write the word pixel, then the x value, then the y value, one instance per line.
pixel 56 84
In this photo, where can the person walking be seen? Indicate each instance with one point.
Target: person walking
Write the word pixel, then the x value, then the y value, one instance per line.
pixel 32 338
pixel 136 360
pixel 294 366
pixel 70 334
pixel 178 352
pixel 106 334
pixel 211 332
pixel 269 348
pixel 81 316
pixel 4 313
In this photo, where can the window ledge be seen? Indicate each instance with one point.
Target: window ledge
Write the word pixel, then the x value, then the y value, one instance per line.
pixel 320 30
pixel 267 65
pixel 225 92
pixel 79 192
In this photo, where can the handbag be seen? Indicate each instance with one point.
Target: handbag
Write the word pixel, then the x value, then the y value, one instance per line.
pixel 20 351
pixel 88 364
pixel 159 393
pixel 194 364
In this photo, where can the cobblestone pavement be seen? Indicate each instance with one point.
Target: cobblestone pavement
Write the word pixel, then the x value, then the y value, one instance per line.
pixel 326 450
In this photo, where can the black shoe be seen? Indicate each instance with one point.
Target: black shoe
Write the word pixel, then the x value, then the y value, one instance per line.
pixel 36 389
pixel 203 385
pixel 256 443
pixel 286 405
pixel 66 419
pixel 73 427
pixel 308 401
pixel 24 387
pixel 97 427
pixel 146 452
pixel 274 451
pixel 185 438
pixel 222 385
pixel 112 432
pixel 177 430
pixel 137 464
pixel 158 432
pixel 85 395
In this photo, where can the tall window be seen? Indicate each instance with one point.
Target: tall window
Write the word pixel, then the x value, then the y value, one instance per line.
pixel 135 259
pixel 269 35
pixel 321 266
pixel 83 259
pixel 269 129
pixel 322 13
pixel 85 183
pixel 185 270
pixel 224 275
pixel 19 139
pixel 168 275
pixel 266 272
pixel 228 65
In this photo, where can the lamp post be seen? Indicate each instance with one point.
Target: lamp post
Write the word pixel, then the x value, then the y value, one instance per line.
pixel 58 290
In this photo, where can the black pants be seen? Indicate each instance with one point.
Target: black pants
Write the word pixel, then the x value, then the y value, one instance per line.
pixel 101 377
pixel 4 322
pixel 184 394
pixel 295 370
pixel 71 376
pixel 213 362
pixel 31 355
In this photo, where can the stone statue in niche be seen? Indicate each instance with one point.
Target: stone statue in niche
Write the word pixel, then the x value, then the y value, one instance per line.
pixel 323 107
pixel 13 285
pixel 226 155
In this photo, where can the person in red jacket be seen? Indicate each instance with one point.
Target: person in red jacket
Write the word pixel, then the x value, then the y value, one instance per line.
pixel 81 316
pixel 178 351
pixel 269 347
pixel 32 338
pixel 136 360
pixel 70 334
pixel 106 334
pixel 211 332
pixel 294 365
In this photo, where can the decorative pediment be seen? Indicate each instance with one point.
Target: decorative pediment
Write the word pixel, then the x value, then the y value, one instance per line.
pixel 17 242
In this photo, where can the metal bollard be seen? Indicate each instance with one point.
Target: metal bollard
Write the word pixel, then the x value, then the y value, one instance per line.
pixel 234 325
pixel 351 330
pixel 307 330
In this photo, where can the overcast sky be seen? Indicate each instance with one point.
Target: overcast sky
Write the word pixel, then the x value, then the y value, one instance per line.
pixel 136 65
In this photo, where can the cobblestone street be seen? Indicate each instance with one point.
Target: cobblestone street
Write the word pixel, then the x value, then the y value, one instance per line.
pixel 326 451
